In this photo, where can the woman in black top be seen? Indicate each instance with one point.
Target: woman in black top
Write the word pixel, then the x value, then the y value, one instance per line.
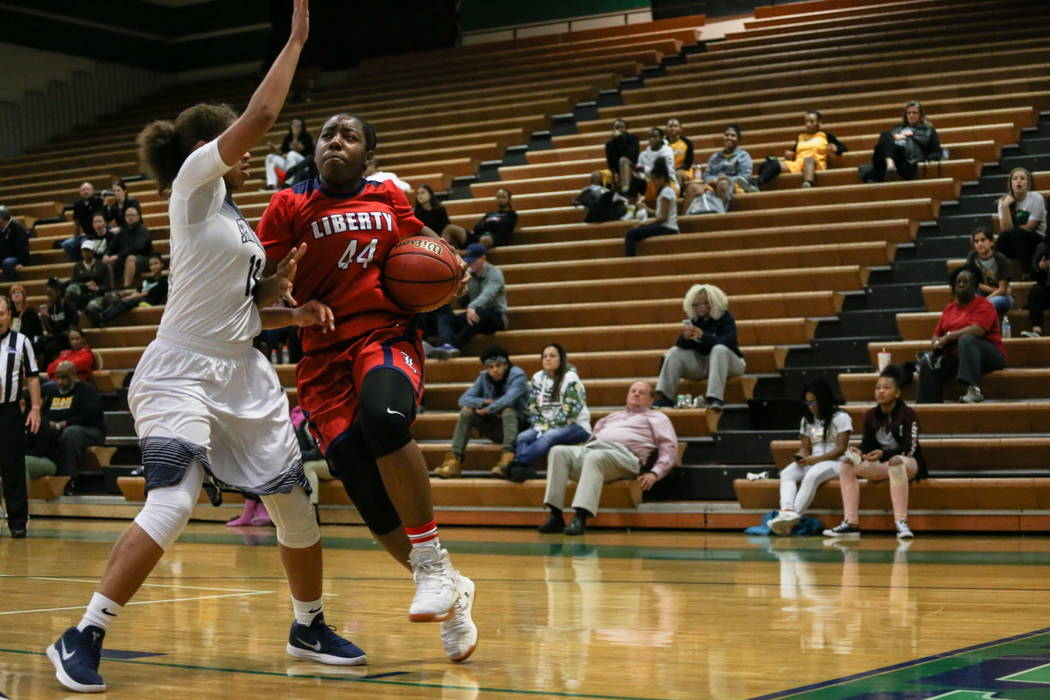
pixel 117 206
pixel 889 449
pixel 435 217
pixel 904 146
pixel 496 227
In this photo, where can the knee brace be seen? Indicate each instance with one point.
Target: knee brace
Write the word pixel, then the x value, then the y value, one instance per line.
pixel 386 411
pixel 165 514
pixel 294 517
pixel 898 473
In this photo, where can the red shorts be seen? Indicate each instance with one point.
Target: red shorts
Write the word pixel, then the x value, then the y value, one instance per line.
pixel 329 380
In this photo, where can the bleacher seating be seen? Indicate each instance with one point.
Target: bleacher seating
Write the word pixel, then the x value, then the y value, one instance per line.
pixel 788 257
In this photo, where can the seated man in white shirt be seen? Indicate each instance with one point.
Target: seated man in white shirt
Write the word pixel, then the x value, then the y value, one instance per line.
pixel 621 444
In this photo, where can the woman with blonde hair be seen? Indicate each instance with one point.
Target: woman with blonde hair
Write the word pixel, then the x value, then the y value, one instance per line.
pixel 1021 216
pixel 707 347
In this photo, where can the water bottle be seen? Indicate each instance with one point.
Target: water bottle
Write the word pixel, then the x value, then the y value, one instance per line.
pixel 1005 326
pixel 884 359
pixel 273 356
pixel 285 356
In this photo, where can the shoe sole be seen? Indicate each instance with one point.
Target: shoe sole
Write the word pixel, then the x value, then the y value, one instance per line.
pixel 308 655
pixel 460 659
pixel 839 536
pixel 909 536
pixel 432 617
pixel 64 678
pixel 784 527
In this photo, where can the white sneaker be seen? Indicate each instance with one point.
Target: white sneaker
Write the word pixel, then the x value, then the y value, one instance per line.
pixel 852 457
pixel 903 531
pixel 1031 334
pixel 784 521
pixel 436 587
pixel 973 395
pixel 459 634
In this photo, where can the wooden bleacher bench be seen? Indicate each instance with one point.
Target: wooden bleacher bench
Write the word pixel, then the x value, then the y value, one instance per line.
pixel 943 494
pixel 1023 383
pixel 958 454
pixel 48 488
pixel 1022 352
pixel 920 325
pixel 991 416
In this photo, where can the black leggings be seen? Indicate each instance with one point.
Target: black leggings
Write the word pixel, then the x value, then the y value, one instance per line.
pixel 1018 244
pixel 635 236
pixel 1038 301
pixel 387 409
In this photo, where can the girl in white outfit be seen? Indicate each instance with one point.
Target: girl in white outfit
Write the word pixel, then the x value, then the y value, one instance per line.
pixel 824 433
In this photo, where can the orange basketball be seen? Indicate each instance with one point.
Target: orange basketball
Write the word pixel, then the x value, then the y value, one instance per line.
pixel 421 274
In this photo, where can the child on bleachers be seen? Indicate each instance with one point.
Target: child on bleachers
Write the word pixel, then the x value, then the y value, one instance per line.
pixel 665 219
pixel 1021 217
pixel 889 450
pixel 824 432
pixel 1039 294
pixel 807 155
pixel 153 292
pixel 621 155
pixel 994 284
pixel 643 181
pixel 732 161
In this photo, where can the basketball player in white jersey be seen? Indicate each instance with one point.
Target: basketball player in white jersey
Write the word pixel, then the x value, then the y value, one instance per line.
pixel 208 407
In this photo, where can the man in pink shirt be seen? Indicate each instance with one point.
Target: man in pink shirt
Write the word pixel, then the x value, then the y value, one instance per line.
pixel 621 444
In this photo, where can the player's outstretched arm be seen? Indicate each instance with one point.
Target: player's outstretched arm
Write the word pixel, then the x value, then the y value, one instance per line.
pixel 266 102
pixel 312 313
pixel 278 284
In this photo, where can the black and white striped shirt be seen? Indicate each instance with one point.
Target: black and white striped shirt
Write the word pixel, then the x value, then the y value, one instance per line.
pixel 17 361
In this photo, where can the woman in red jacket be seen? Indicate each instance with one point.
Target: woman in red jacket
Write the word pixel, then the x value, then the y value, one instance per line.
pixel 966 342
pixel 79 354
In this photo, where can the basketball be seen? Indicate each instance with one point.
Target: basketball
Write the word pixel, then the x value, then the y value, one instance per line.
pixel 421 274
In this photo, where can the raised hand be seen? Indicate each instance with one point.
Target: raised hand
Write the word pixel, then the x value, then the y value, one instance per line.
pixel 286 273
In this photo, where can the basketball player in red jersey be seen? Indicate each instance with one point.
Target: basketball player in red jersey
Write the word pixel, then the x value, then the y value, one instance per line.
pixel 360 385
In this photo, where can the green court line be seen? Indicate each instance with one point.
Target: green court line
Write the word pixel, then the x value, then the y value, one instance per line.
pixel 757 552
pixel 379 681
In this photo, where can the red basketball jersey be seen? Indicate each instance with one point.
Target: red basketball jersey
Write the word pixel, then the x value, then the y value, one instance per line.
pixel 349 236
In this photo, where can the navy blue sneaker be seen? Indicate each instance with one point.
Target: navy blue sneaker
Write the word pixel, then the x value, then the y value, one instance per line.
pixel 319 642
pixel 75 657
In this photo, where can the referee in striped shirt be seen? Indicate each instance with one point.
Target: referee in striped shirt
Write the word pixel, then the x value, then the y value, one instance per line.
pixel 17 369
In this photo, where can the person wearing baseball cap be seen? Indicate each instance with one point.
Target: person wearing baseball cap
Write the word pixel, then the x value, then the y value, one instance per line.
pixel 486 304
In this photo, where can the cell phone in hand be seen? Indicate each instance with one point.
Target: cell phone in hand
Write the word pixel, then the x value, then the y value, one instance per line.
pixel 799 458
pixel 687 323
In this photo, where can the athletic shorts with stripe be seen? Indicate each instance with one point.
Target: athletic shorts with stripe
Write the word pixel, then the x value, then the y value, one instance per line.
pixel 329 380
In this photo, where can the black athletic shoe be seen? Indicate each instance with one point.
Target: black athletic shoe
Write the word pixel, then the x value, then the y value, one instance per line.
pixel 578 526
pixel 554 524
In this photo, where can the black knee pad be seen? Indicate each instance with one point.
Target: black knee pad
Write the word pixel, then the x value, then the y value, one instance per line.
pixel 386 410
pixel 351 460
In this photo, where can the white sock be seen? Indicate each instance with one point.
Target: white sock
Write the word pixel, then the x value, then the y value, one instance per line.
pixel 306 611
pixel 100 612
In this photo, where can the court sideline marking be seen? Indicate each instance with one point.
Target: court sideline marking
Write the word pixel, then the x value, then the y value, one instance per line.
pixel 234 593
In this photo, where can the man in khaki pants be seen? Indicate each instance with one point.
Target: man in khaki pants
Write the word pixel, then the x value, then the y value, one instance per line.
pixel 620 445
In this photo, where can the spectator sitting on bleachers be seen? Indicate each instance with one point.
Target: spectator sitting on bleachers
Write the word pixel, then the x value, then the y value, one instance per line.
pixel 14 245
pixel 903 147
pixel 701 199
pixel 1039 293
pixel 74 419
pixel 496 227
pixel 682 147
pixel 296 146
pixel 732 161
pixel 24 318
pixel 1021 217
pixel 41 456
pixel 807 155
pixel 90 278
pixel 153 292
pixel 665 216
pixel 707 348
pixel 78 354
pixel 372 172
pixel 824 435
pixel 57 316
pixel 621 155
pixel 496 405
pixel 486 303
pixel 557 412
pixel 84 210
pixel 624 443
pixel 966 342
pixel 643 181
pixel 994 283
pixel 889 450
pixel 117 204
pixel 435 217
pixel 128 253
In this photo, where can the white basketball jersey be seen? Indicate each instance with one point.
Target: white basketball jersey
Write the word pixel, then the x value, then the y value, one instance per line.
pixel 216 259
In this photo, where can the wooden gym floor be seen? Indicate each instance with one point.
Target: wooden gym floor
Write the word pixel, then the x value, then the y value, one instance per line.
pixel 608 615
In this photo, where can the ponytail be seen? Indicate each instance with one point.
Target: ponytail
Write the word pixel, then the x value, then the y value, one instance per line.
pixel 164 145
